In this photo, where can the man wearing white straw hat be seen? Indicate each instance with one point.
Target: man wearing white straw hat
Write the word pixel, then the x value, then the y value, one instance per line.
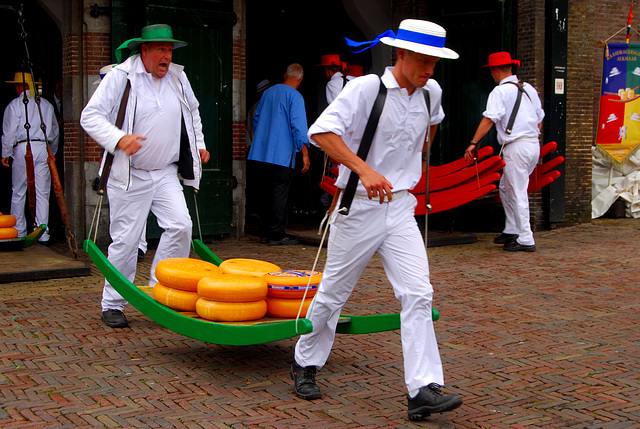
pixel 381 217
pixel 14 145
pixel 160 142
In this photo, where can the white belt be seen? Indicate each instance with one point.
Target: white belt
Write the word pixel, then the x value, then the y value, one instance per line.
pixel 394 196
pixel 525 139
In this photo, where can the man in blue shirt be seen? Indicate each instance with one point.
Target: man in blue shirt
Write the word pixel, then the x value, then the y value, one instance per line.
pixel 280 132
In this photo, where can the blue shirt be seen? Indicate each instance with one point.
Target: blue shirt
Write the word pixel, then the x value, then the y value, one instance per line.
pixel 280 126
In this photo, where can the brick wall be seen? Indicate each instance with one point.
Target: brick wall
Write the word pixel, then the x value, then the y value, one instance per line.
pixel 70 67
pixel 97 53
pixel 582 83
pixel 529 30
pixel 239 123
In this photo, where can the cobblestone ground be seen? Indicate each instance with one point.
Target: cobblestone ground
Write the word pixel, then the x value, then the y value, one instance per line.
pixel 542 340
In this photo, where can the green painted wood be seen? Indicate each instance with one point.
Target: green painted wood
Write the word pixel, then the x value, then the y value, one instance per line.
pixel 204 252
pixel 34 236
pixel 22 242
pixel 210 332
pixel 374 323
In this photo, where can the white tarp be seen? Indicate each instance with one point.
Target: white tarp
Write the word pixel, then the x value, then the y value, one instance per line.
pixel 610 182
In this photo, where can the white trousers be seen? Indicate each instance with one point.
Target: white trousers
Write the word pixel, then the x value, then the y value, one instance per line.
pixel 160 192
pixel 391 230
pixel 19 186
pixel 520 157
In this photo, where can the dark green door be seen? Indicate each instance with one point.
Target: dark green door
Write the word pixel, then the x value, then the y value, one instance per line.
pixel 475 28
pixel 208 59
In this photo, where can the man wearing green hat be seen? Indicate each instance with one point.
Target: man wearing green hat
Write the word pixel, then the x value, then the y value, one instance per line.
pixel 160 142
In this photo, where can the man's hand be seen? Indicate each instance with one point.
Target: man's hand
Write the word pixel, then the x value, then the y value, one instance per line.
pixel 204 155
pixel 5 161
pixel 131 143
pixel 305 163
pixel 377 185
pixel 470 153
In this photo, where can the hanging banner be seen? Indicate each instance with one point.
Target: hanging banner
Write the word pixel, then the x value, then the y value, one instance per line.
pixel 618 135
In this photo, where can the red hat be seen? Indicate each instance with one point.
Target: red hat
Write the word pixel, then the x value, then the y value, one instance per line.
pixel 501 59
pixel 330 60
pixel 354 70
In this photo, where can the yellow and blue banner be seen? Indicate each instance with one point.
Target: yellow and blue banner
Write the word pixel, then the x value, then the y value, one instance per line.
pixel 618 135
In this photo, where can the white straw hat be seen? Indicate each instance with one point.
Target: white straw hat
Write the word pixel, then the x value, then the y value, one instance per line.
pixel 423 37
pixel 415 35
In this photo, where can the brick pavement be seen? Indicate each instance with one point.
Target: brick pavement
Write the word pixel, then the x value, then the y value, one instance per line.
pixel 548 339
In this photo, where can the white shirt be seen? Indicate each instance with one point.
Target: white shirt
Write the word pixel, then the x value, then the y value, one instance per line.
pixel 157 117
pixel 397 144
pixel 435 97
pixel 13 130
pixel 500 105
pixel 334 86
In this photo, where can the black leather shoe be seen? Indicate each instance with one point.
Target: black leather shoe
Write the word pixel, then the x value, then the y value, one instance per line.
pixel 114 319
pixel 283 242
pixel 264 240
pixel 514 246
pixel 304 382
pixel 140 255
pixel 505 238
pixel 431 400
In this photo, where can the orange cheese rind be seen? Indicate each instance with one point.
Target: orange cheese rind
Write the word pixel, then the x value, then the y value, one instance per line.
pixel 177 299
pixel 251 267
pixel 184 273
pixel 233 288
pixel 231 311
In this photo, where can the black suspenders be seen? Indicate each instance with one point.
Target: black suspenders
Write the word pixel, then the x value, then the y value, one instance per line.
pixel 363 150
pixel 516 107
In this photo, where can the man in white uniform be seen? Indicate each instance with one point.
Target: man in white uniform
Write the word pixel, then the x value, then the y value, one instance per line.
pixel 381 217
pixel 521 148
pixel 336 80
pixel 150 154
pixel 14 145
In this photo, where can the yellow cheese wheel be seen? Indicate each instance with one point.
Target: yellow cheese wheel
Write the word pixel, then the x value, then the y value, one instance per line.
pixel 287 307
pixel 251 267
pixel 231 311
pixel 184 273
pixel 177 299
pixel 7 233
pixel 7 221
pixel 292 283
pixel 233 288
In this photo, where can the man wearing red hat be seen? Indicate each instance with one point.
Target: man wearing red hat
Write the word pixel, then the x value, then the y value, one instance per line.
pixel 333 68
pixel 515 109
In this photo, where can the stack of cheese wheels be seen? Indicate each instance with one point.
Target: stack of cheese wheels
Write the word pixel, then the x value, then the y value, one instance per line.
pixel 7 227
pixel 178 279
pixel 238 294
pixel 286 290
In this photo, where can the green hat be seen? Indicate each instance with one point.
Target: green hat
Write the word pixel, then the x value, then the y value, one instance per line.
pixel 150 33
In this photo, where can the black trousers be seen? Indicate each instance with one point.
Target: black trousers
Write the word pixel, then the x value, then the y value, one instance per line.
pixel 272 184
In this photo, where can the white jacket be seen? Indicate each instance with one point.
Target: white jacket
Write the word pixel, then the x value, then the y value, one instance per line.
pixel 99 116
